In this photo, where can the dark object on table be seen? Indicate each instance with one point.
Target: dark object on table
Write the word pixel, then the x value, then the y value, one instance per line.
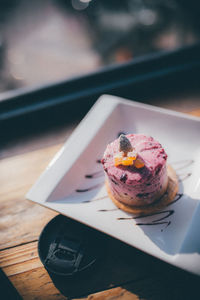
pixel 67 247
pixel 7 290
pixel 69 250
pixel 65 256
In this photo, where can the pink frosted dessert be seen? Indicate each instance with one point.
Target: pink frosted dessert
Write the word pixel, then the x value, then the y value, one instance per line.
pixel 135 168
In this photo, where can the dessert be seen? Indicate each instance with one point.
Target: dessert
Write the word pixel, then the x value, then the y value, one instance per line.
pixel 137 175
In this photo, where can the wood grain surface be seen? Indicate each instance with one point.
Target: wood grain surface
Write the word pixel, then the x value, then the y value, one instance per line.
pixel 126 273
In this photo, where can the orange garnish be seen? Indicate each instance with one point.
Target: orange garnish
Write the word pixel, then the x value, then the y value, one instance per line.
pixel 128 161
pixel 139 163
pixel 118 161
pixel 124 161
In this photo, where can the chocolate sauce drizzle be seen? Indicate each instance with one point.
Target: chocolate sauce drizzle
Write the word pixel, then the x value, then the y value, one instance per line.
pixel 97 199
pixel 159 221
pixel 106 210
pixel 178 197
pixel 166 213
pixel 181 164
pixel 89 188
pixel 182 177
pixel 162 215
pixel 95 174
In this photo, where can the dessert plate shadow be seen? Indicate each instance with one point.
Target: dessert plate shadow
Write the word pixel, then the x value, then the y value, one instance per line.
pixel 73 182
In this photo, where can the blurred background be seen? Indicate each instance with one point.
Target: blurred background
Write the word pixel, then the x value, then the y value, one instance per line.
pixel 45 41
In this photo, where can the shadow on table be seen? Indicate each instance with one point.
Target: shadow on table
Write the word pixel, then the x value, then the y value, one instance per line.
pixel 140 274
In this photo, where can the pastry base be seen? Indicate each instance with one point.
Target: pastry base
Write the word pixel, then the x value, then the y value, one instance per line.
pixel 163 201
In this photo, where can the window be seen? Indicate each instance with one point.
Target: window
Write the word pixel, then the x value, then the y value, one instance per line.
pixel 46 41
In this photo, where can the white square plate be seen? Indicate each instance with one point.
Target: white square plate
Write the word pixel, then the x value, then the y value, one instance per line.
pixel 73 183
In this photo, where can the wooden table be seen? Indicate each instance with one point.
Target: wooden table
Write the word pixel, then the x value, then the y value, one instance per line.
pixel 126 273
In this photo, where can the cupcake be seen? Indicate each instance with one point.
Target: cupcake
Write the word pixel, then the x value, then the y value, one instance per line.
pixel 136 172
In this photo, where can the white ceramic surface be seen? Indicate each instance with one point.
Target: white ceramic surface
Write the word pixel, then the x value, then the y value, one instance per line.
pixel 73 183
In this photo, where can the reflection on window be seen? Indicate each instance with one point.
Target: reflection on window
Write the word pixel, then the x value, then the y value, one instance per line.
pixel 46 41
